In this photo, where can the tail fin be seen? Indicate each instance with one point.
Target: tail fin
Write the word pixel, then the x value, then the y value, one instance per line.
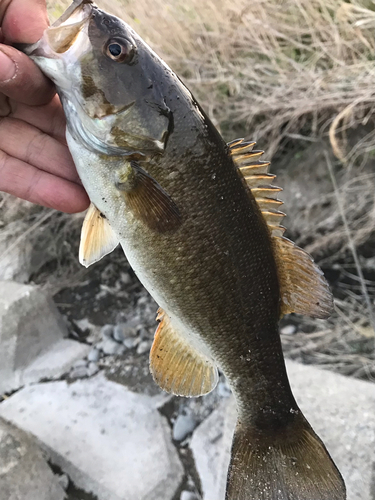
pixel 293 466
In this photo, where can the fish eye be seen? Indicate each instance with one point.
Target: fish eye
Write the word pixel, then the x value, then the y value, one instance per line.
pixel 120 50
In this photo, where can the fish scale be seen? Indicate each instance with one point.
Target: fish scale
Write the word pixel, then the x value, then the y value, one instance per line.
pixel 199 223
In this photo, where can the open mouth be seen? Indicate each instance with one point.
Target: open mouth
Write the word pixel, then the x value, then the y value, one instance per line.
pixel 79 10
pixel 64 32
pixel 61 36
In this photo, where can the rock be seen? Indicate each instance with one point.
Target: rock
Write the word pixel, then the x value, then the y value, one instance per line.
pixel 143 346
pixel 63 481
pixel 54 363
pixel 84 324
pixel 343 415
pixel 29 325
pixel 120 332
pixel 223 389
pixel 188 495
pixel 106 332
pixel 183 425
pixel 110 347
pixel 288 330
pixel 126 278
pixel 24 473
pixel 107 439
pixel 92 369
pixel 207 446
pixel 80 363
pixel 131 342
pixel 121 350
pixel 93 355
pixel 79 372
pixel 31 337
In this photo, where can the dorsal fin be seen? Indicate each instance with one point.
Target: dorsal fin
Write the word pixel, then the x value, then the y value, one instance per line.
pixel 259 180
pixel 303 288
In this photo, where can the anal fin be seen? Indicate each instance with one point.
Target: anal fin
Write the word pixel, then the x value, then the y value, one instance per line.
pixel 176 366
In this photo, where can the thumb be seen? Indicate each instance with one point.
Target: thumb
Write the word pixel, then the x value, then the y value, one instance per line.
pixel 21 80
pixel 23 21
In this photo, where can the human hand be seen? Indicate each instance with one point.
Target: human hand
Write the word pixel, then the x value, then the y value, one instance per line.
pixel 35 163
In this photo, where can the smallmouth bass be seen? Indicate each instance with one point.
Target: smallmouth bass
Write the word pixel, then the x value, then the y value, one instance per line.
pixel 198 220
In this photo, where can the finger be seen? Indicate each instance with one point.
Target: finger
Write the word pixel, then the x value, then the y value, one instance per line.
pixel 21 79
pixel 48 118
pixel 37 148
pixel 29 183
pixel 23 21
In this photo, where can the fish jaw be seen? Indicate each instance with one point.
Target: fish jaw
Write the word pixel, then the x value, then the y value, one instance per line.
pixel 57 51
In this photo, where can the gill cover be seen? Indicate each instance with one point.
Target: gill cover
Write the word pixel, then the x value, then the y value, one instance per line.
pixel 108 80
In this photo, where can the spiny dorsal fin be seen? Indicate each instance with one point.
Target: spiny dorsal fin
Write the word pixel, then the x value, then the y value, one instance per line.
pixel 97 237
pixel 303 288
pixel 176 366
pixel 255 173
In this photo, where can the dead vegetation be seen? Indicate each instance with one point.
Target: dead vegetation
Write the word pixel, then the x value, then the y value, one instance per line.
pixel 298 76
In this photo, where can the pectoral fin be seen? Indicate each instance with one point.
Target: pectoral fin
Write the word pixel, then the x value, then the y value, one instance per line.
pixel 176 366
pixel 97 237
pixel 147 200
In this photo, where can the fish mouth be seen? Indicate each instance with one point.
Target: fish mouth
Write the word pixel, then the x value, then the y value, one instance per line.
pixel 62 34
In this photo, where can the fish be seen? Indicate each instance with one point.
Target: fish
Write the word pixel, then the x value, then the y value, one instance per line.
pixel 199 221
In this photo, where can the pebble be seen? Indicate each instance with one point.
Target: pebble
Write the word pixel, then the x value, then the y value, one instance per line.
pixel 126 278
pixel 188 495
pixel 110 347
pixel 119 332
pixel 183 425
pixel 123 331
pixel 79 372
pixel 94 355
pixel 143 347
pixel 223 390
pixel 92 369
pixel 142 300
pixel 80 363
pixel 120 350
pixel 63 481
pixel 107 331
pixel 143 333
pixel 131 342
pixel 288 330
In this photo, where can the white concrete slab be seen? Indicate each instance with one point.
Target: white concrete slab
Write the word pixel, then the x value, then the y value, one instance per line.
pixel 30 325
pixel 110 441
pixel 340 409
pixel 24 472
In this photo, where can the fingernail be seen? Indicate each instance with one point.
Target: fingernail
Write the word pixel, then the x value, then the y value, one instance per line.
pixel 7 67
